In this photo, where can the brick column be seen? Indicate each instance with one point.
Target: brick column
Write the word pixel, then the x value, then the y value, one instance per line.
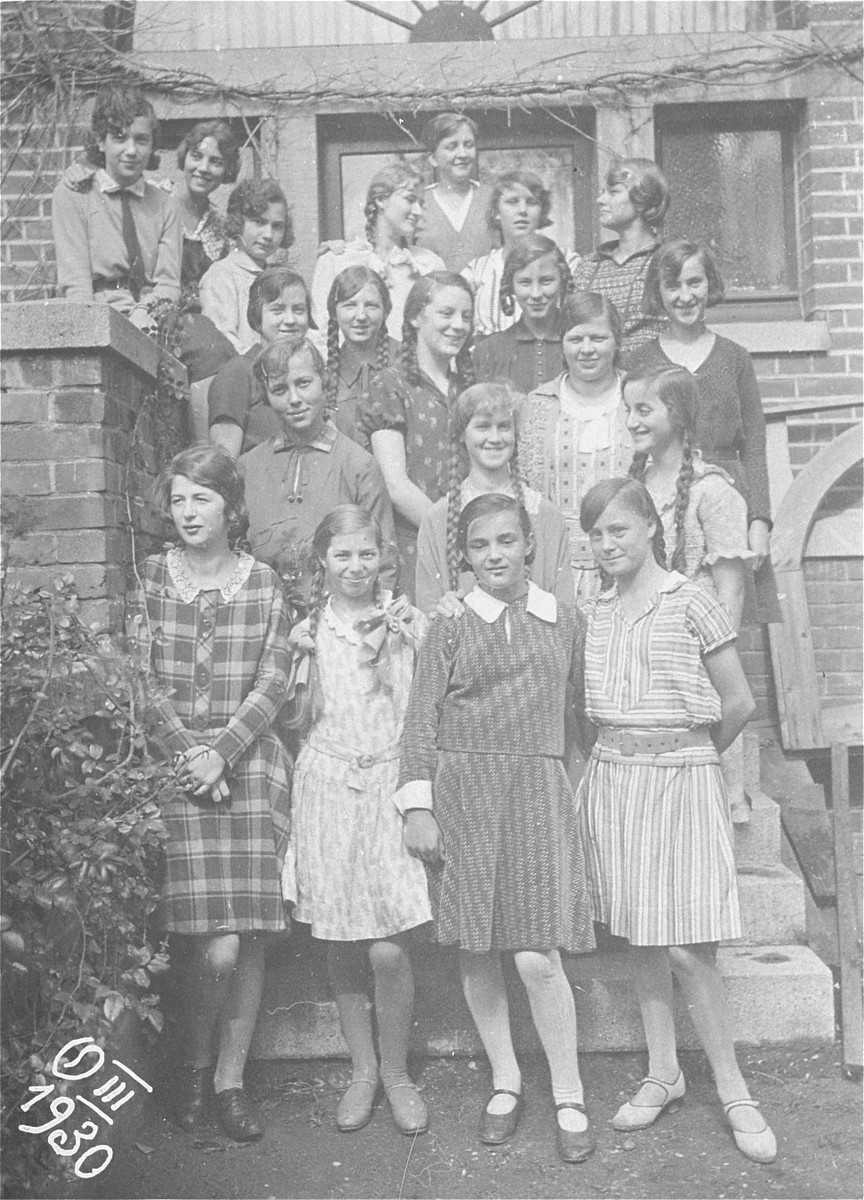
pixel 81 445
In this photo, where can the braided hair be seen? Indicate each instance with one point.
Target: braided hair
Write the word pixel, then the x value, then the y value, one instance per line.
pixel 493 397
pixel 678 391
pixel 422 293
pixel 344 518
pixel 383 184
pixel 521 256
pixel 635 497
pixel 347 284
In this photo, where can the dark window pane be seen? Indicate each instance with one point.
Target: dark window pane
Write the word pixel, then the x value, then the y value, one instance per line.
pixel 727 192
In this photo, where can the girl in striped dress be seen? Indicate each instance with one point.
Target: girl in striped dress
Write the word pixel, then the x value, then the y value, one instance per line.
pixel 665 688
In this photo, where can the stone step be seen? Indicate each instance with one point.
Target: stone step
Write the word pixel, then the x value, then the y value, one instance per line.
pixel 777 994
pixel 772 905
pixel 758 843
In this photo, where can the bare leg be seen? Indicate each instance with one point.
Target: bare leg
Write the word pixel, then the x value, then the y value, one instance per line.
pixel 240 1013
pixel 486 997
pixel 348 968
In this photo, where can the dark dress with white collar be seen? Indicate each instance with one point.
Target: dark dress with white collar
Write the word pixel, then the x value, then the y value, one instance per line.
pixel 485 724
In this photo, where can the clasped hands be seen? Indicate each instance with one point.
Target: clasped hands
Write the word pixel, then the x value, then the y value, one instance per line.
pixel 200 770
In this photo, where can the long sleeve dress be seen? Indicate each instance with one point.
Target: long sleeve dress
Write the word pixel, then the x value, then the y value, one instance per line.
pixel 224 655
pixel 550 567
pixel 347 871
pixel 565 447
pixel 656 828
pixel 483 746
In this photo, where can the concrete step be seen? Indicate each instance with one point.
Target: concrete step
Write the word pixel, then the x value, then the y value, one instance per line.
pixel 777 994
pixel 758 843
pixel 772 905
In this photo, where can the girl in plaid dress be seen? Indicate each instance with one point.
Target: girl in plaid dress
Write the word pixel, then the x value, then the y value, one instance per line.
pixel 665 688
pixel 347 871
pixel 213 623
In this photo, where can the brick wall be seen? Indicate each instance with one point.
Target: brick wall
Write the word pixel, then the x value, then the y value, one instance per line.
pixel 80 447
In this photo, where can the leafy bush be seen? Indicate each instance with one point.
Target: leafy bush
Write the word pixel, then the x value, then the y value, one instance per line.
pixel 80 844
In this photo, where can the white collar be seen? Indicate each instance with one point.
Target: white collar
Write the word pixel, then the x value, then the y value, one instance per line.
pixel 107 183
pixel 488 608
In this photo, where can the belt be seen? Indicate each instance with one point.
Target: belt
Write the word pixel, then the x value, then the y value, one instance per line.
pixel 359 762
pixel 111 285
pixel 637 741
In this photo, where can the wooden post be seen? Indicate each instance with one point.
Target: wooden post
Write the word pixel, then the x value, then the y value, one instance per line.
pixel 848 913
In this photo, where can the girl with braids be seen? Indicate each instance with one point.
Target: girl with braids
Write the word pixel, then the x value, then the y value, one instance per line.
pixel 393 212
pixel 258 221
pixel 704 517
pixel 665 689
pixel 347 871
pixel 574 429
pixel 518 207
pixel 406 414
pixel 357 342
pixel 483 788
pixel 239 415
pixel 483 459
pixel 633 203
pixel 297 476
pixel 536 277
pixel 682 282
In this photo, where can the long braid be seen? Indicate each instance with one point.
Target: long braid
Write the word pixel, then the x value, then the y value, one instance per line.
pixel 454 507
pixel 307 701
pixel 658 545
pixel 638 466
pixel 410 367
pixel 382 349
pixel 465 376
pixel 516 475
pixel 682 500
pixel 332 362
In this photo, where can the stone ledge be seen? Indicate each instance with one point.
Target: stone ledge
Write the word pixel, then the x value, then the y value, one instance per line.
pixel 35 325
pixel 777 337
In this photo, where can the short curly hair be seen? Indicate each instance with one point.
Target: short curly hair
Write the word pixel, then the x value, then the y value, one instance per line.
pixel 646 186
pixel 214 468
pixel 532 183
pixel 251 199
pixel 115 108
pixel 223 135
pixel 665 267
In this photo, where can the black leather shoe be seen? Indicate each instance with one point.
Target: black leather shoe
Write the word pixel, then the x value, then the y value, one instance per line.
pixel 194 1090
pixel 497 1128
pixel 236 1116
pixel 574 1147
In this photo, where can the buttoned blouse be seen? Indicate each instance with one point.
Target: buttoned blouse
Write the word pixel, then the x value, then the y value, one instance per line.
pixel 649 673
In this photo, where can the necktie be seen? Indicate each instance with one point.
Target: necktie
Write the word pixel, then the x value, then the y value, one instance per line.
pixel 133 246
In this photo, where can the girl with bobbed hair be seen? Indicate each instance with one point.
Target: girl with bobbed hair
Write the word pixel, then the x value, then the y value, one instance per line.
pixel 406 413
pixel 484 444
pixel 116 234
pixel 519 206
pixel 665 690
pixel 633 203
pixel 238 413
pixel 258 223
pixel 211 624
pixel 358 345
pixel 682 282
pixel 455 223
pixel 393 212
pixel 574 428
pixel 535 281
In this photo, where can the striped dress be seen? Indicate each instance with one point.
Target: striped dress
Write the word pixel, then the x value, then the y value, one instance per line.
pixel 656 830
pixel 224 656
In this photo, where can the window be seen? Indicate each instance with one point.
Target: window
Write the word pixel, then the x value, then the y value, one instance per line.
pixel 730 173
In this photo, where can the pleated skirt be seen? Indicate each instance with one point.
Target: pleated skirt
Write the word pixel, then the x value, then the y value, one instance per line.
pixel 658 847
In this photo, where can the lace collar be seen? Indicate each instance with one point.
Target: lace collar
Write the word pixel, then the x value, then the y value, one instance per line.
pixel 188 590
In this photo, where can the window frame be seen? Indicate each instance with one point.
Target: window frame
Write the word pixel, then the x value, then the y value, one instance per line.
pixel 783 117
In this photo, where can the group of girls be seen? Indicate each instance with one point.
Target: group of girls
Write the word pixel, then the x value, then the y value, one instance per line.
pixel 382 448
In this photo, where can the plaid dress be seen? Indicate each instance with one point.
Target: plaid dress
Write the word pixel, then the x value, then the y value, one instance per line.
pixel 224 656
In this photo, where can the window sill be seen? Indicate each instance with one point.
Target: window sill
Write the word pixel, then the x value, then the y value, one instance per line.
pixel 777 337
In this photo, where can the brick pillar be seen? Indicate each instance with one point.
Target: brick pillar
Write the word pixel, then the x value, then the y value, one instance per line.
pixel 81 445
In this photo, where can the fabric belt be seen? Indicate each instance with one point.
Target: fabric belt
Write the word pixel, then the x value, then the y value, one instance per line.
pixel 111 285
pixel 359 762
pixel 638 741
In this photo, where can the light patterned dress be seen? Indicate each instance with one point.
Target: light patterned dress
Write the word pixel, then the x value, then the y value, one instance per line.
pixel 565 447
pixel 347 871
pixel 656 830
